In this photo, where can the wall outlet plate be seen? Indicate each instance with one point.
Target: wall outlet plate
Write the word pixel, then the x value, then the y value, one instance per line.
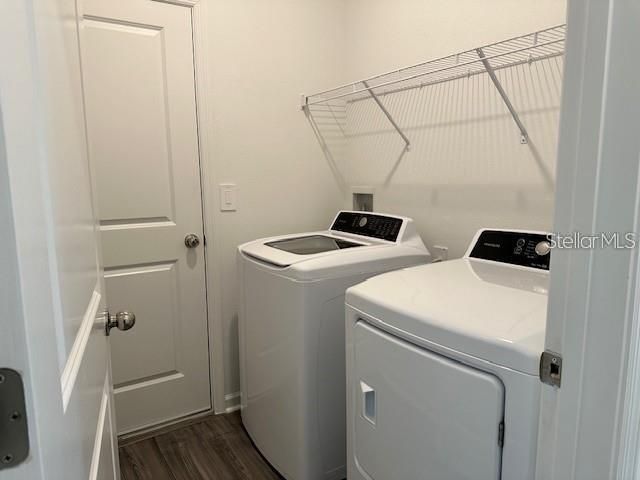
pixel 440 253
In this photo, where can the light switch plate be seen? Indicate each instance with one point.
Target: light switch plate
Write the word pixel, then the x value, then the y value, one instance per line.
pixel 228 197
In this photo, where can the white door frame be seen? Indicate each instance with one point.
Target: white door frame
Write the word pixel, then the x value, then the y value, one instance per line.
pixel 589 426
pixel 202 62
pixel 629 455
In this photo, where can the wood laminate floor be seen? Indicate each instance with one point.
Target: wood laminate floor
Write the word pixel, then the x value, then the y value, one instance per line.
pixel 211 448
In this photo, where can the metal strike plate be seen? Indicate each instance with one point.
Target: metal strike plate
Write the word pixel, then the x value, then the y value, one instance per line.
pixel 14 434
pixel 551 368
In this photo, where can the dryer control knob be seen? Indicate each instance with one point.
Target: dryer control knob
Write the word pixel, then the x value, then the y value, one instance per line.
pixel 543 248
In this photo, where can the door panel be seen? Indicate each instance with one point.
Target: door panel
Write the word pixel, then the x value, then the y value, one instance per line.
pixel 141 117
pixel 103 466
pixel 136 104
pixel 68 186
pixel 50 244
pixel 151 292
pixel 420 415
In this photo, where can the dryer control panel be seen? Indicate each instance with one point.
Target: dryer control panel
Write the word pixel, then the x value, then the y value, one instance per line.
pixel 516 248
pixel 368 225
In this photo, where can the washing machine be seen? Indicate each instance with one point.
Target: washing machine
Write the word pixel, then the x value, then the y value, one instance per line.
pixel 291 329
pixel 443 364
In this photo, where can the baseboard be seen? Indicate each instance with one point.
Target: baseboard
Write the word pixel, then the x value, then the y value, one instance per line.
pixel 157 429
pixel 232 402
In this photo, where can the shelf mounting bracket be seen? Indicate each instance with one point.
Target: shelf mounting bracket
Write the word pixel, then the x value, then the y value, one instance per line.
pixel 388 115
pixel 524 136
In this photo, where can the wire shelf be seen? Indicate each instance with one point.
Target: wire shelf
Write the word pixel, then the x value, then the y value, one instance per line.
pixel 528 48
pixel 525 49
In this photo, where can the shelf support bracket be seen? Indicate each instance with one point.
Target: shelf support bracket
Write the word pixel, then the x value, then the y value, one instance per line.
pixel 388 115
pixel 524 136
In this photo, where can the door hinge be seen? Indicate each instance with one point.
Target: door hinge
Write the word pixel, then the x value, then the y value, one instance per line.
pixel 501 434
pixel 551 368
pixel 14 434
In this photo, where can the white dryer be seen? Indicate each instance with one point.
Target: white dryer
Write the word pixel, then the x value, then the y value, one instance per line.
pixel 292 360
pixel 443 364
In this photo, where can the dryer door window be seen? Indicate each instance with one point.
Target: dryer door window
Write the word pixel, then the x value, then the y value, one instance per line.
pixel 420 415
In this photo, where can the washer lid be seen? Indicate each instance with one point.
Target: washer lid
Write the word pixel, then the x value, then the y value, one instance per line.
pixel 312 244
pixel 288 250
pixel 492 311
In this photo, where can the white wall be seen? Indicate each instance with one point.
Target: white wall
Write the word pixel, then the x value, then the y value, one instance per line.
pixel 467 168
pixel 264 54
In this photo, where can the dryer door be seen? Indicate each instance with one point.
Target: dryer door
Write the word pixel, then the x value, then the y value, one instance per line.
pixel 419 415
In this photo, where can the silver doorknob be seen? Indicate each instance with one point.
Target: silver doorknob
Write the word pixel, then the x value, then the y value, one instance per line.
pixel 122 321
pixel 192 240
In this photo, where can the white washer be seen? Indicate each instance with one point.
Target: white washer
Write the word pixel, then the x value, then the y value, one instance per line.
pixel 443 364
pixel 292 361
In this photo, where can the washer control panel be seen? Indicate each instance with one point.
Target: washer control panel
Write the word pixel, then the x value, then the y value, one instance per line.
pixel 368 225
pixel 516 248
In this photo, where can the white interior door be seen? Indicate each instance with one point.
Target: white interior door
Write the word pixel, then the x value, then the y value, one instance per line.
pixel 141 117
pixel 51 288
